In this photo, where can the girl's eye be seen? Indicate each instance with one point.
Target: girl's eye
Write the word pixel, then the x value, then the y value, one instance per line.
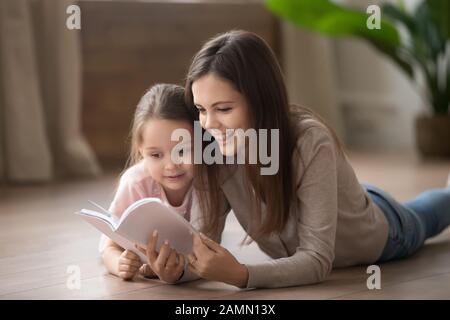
pixel 155 155
pixel 224 109
pixel 201 110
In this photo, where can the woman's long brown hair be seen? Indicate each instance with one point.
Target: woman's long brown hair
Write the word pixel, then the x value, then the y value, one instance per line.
pixel 247 62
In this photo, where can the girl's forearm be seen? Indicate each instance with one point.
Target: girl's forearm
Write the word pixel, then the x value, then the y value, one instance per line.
pixel 110 256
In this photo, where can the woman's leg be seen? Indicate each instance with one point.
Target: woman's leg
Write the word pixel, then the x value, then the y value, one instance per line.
pixel 411 223
pixel 406 230
pixel 433 209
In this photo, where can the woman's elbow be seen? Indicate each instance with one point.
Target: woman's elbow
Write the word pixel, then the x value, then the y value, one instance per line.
pixel 325 271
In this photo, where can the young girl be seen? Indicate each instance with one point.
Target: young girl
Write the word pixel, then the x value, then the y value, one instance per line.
pixel 313 214
pixel 152 173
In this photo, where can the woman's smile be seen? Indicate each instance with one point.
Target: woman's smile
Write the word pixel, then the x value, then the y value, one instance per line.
pixel 223 137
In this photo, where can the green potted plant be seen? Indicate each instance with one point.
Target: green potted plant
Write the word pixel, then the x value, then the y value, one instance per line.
pixel 423 51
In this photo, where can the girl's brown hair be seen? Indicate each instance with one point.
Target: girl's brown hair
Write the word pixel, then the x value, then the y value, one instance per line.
pixel 161 101
pixel 247 62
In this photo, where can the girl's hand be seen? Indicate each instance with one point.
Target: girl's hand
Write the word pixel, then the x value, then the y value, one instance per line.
pixel 146 271
pixel 167 264
pixel 211 261
pixel 128 265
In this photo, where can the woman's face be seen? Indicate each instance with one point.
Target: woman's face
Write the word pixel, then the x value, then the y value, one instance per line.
pixel 222 109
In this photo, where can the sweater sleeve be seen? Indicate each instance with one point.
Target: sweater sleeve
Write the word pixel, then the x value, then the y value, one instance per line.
pixel 316 219
pixel 127 193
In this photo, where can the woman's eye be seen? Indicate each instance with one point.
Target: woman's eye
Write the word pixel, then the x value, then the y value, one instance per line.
pixel 224 109
pixel 201 110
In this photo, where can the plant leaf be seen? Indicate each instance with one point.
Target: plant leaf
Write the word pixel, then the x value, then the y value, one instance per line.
pixel 440 14
pixel 328 18
pixel 398 15
pixel 429 34
pixel 333 20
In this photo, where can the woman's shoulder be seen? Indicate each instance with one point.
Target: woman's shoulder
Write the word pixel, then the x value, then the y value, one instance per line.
pixel 315 146
pixel 303 119
pixel 310 134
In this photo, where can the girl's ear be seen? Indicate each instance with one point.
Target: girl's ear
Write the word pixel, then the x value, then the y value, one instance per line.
pixel 141 152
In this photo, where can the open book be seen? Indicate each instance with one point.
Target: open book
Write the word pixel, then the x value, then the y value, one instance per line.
pixel 137 223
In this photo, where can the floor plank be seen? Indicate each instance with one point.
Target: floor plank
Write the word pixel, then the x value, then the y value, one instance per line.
pixel 40 238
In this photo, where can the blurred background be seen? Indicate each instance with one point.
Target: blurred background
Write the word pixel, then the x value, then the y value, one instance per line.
pixel 67 98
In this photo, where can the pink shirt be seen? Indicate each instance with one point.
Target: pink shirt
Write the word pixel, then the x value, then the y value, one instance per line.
pixel 135 184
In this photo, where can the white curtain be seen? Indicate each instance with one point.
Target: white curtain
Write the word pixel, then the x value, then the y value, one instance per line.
pixel 40 94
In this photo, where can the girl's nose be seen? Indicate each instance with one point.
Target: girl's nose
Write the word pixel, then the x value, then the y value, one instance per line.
pixel 170 165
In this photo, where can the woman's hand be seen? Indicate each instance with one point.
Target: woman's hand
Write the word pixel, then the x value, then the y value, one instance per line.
pixel 128 265
pixel 211 261
pixel 168 265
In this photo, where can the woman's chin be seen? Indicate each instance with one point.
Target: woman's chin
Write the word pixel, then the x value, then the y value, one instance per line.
pixel 227 151
pixel 231 149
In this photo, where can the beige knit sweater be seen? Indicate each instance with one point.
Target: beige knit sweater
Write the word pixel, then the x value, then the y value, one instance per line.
pixel 333 222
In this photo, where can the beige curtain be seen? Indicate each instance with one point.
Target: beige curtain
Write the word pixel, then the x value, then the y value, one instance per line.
pixel 310 70
pixel 40 94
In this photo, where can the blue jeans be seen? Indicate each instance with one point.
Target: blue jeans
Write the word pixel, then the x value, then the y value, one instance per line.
pixel 412 222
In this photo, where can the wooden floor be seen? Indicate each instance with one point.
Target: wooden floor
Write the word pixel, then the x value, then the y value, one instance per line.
pixel 40 238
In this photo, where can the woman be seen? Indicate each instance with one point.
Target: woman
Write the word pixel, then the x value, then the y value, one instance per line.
pixel 313 214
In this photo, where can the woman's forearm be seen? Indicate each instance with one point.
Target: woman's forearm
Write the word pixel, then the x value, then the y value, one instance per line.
pixel 239 277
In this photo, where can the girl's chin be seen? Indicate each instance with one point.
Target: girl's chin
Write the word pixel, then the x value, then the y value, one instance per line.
pixel 174 186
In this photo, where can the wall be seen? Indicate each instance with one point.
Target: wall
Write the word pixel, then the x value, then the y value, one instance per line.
pixel 358 91
pixel 378 102
pixel 128 46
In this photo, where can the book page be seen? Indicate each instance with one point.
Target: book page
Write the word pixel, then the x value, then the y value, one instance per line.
pixel 148 215
pixel 106 225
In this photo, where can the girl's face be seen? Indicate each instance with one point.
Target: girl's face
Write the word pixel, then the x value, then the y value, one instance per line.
pixel 156 149
pixel 221 108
